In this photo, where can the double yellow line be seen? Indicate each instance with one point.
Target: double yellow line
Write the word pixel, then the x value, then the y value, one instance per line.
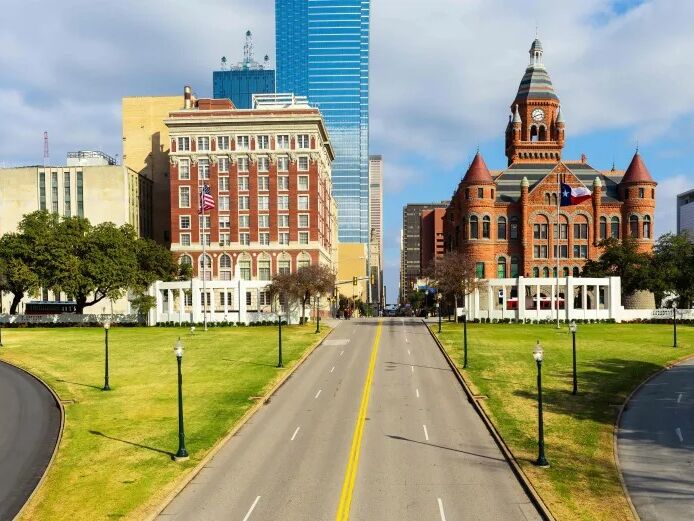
pixel 353 462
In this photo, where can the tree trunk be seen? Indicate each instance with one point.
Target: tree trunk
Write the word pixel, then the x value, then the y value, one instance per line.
pixel 80 303
pixel 16 299
pixel 455 311
pixel 302 321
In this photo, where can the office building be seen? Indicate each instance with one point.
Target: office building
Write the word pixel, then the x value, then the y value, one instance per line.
pixel 376 227
pixel 322 50
pixel 685 213
pixel 431 233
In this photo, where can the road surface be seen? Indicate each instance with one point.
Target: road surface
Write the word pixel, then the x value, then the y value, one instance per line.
pixel 29 429
pixel 655 444
pixel 373 426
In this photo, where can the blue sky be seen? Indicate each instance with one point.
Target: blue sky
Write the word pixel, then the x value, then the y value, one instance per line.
pixel 622 70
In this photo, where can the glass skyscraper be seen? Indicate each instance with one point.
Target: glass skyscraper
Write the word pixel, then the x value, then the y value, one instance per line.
pixel 239 85
pixel 323 53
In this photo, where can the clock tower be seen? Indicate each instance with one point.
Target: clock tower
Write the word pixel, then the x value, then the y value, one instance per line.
pixel 535 132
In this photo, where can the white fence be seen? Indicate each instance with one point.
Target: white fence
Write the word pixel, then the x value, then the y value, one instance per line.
pixel 70 319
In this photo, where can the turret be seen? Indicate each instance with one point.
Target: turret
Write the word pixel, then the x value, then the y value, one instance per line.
pixel 560 126
pixel 637 191
pixel 597 201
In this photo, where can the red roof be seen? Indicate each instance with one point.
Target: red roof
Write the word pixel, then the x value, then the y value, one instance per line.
pixel 478 173
pixel 637 171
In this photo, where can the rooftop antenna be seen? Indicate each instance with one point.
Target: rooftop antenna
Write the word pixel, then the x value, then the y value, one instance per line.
pixel 637 145
pixel 266 62
pixel 45 149
pixel 248 49
pixel 224 63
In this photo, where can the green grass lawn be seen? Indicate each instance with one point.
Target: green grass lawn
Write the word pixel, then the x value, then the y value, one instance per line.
pixel 114 460
pixel 582 482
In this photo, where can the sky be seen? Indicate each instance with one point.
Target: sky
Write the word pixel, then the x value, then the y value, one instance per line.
pixel 442 81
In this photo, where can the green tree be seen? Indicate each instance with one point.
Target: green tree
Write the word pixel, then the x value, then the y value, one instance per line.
pixel 622 259
pixel 18 275
pixel 673 268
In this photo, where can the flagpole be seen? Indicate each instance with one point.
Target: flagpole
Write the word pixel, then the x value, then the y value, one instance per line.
pixel 204 260
pixel 558 252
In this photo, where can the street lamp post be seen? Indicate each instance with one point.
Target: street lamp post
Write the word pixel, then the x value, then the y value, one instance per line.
pixel 538 355
pixel 572 328
pixel 464 338
pixel 318 314
pixel 107 326
pixel 1 322
pixel 182 453
pixel 279 326
pixel 674 324
pixel 438 308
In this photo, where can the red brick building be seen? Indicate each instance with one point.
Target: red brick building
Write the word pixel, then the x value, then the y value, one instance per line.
pixel 269 171
pixel 509 221
pixel 431 236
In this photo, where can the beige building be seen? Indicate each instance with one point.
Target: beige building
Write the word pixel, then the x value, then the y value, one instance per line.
pixel 352 257
pixel 146 151
pixel 376 227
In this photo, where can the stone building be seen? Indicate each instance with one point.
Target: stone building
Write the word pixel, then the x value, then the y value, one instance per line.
pixel 511 222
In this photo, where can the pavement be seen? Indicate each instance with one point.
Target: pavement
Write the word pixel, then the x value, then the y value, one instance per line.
pixel 373 426
pixel 29 429
pixel 655 444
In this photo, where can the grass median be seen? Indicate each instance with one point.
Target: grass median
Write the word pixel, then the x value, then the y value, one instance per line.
pixel 582 482
pixel 114 460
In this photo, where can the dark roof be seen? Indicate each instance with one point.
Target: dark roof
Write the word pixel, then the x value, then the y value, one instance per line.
pixel 535 84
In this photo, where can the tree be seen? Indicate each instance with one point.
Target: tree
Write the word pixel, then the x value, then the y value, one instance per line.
pixel 673 268
pixel 18 277
pixel 453 275
pixel 302 285
pixel 622 259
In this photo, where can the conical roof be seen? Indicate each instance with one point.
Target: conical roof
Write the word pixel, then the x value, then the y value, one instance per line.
pixel 535 83
pixel 637 171
pixel 478 173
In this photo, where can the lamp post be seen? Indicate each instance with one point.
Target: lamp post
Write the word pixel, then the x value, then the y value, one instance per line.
pixel 182 453
pixel 438 308
pixel 572 328
pixel 538 355
pixel 464 338
pixel 674 324
pixel 107 326
pixel 1 322
pixel 279 326
pixel 318 314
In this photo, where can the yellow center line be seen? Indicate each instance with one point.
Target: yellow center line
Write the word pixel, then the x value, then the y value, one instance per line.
pixel 353 462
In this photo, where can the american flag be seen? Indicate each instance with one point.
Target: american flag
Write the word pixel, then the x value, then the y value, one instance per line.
pixel 206 199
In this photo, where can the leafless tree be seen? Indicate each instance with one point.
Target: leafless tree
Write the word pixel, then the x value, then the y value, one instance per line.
pixel 453 275
pixel 302 285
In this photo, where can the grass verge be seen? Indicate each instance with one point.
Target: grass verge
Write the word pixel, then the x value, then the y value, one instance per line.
pixel 582 482
pixel 115 456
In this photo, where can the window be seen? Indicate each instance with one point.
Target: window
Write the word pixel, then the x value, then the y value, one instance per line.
pixel 183 169
pixel 249 298
pixel 242 142
pixel 204 221
pixel 614 227
pixel 203 143
pixel 283 202
pixel 245 238
pixel 264 270
pixel 263 202
pixel 184 196
pixel 303 202
pixel 80 195
pixel 536 272
pixel 603 227
pixel 185 239
pixel 263 142
pixel 263 164
pixel 54 192
pixel 540 251
pixel 224 202
pixel 42 191
pixel 283 182
pixel 486 224
pixel 245 269
pixel 242 164
pixel 647 227
pixel 67 206
pixel 642 193
pixel 303 163
pixel 501 229
pixel 243 221
pixel 243 183
pixel 501 268
pixel 207 238
pixel 303 263
pixel 264 238
pixel 224 221
pixel 545 272
pixel 263 183
pixel 264 298
pixel 634 226
pixel 203 168
pixel 303 237
pixel 474 227
pixel 224 184
pixel 283 164
pixel 563 231
pixel 514 227
pixel 284 267
pixel 283 141
pixel 223 164
pixel 580 251
pixel 263 221
pixel 185 259
pixel 563 252
pixel 581 231
pixel 243 202
pixel 183 144
pixel 224 262
pixel 576 271
pixel 283 221
pixel 303 220
pixel 480 193
pixel 184 222
pixel 514 267
pixel 540 231
pixel 284 237
pixel 224 239
pixel 565 271
pixel 479 270
pixel 303 182
pixel 223 142
pixel 302 141
pixel 467 193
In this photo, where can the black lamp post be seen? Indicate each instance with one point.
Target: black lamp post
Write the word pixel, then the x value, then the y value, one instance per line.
pixel 674 324
pixel 318 314
pixel 538 355
pixel 107 326
pixel 1 322
pixel 279 325
pixel 464 338
pixel 573 328
pixel 438 308
pixel 182 453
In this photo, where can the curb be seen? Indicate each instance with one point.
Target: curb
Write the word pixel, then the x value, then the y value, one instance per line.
pixel 615 430
pixel 534 497
pixel 237 427
pixel 57 441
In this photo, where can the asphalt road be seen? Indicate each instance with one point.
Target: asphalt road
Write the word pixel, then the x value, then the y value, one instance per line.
pixel 655 445
pixel 29 428
pixel 422 453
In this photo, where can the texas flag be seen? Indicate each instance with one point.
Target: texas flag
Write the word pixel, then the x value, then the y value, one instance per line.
pixel 576 195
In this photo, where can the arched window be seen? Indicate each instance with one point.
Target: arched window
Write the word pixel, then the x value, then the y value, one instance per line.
pixel 614 228
pixel 577 272
pixel 501 268
pixel 581 228
pixel 554 272
pixel 224 267
pixel 205 263
pixel 513 221
pixel 603 227
pixel 533 133
pixel 501 229
pixel 303 261
pixel 514 267
pixel 486 227
pixel 634 226
pixel 554 199
pixel 548 199
pixel 536 272
pixel 474 227
pixel 543 133
pixel 185 259
pixel 565 271
pixel 545 272
pixel 647 227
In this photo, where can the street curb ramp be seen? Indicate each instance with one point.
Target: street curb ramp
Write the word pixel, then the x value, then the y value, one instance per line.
pixel 534 497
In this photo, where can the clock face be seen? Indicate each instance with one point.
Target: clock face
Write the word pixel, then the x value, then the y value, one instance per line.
pixel 538 114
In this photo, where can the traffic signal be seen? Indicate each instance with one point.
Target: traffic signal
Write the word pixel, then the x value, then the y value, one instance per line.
pixel 373 279
pixel 354 281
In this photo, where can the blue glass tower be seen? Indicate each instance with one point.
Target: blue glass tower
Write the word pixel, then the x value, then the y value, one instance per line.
pixel 239 85
pixel 322 49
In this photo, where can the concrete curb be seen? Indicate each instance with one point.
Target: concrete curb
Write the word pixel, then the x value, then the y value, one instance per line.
pixel 242 421
pixel 534 497
pixel 615 430
pixel 57 441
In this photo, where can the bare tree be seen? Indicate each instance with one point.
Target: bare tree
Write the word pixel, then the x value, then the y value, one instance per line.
pixel 453 275
pixel 301 286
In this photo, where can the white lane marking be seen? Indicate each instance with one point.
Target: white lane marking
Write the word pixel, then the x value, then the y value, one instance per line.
pixel 443 516
pixel 426 433
pixel 248 515
pixel 318 393
pixel 679 397
pixel 678 431
pixel 295 433
pixel 342 353
pixel 412 368
pixel 417 391
pixel 409 352
pixel 332 369
pixel 337 342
